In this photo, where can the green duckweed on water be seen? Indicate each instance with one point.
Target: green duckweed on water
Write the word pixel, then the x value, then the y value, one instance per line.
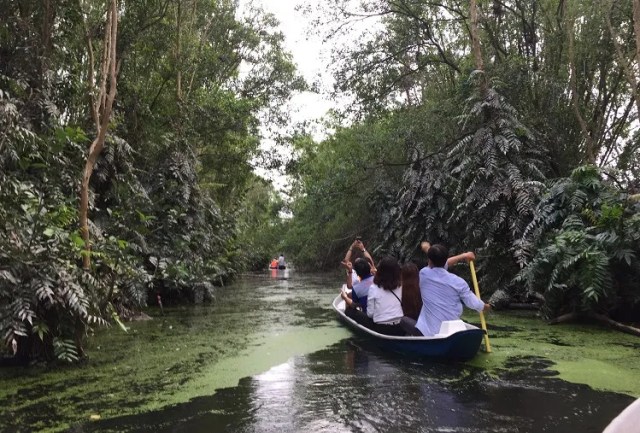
pixel 185 353
pixel 584 353
pixel 193 351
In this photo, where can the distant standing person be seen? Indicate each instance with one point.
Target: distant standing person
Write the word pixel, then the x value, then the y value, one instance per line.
pixel 281 263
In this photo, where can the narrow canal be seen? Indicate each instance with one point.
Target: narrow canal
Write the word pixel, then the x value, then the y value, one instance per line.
pixel 269 356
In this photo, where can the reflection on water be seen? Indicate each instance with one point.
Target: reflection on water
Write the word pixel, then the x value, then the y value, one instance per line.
pixel 279 274
pixel 350 388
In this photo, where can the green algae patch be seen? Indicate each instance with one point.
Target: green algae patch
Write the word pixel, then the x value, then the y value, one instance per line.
pixel 125 372
pixel 579 353
pixel 600 375
pixel 183 353
pixel 270 350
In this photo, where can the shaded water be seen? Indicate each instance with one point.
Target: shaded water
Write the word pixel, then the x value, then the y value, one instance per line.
pixel 269 356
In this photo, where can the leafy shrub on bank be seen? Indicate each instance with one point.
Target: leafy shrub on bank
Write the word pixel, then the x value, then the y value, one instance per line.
pixel 581 251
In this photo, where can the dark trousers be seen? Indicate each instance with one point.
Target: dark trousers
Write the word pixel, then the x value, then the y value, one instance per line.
pixel 359 316
pixel 409 326
pixel 388 329
pixel 364 320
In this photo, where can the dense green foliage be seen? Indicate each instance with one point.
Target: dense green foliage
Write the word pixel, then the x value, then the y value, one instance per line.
pixel 581 249
pixel 167 214
pixel 485 160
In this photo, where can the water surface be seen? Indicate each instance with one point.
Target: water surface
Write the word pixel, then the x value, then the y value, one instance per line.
pixel 269 356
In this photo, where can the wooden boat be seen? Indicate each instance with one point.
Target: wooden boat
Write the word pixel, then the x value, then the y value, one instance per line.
pixel 456 340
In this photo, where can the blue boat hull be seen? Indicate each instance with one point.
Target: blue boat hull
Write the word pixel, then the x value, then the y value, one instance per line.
pixel 461 346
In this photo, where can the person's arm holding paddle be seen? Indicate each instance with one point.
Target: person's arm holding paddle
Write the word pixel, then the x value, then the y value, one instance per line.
pixel 453 260
pixel 469 298
pixel 464 257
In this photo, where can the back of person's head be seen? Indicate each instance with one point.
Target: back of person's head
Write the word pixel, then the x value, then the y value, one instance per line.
pixel 362 267
pixel 388 274
pixel 438 254
pixel 411 296
pixel 409 273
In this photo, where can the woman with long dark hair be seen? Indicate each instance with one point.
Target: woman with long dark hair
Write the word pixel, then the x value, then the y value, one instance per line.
pixel 384 303
pixel 411 298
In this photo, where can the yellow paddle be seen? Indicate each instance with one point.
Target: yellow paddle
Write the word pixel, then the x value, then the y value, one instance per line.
pixel 483 323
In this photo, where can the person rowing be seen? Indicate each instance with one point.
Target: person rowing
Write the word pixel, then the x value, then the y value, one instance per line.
pixel 443 293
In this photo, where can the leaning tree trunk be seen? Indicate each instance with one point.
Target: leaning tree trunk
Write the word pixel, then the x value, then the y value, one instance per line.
pixel 569 317
pixel 101 107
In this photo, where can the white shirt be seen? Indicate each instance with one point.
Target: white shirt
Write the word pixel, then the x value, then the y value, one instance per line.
pixel 382 306
pixel 354 279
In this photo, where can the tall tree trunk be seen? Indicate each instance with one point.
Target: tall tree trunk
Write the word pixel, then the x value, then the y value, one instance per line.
pixel 475 44
pixel 590 148
pixel 636 26
pixel 475 38
pixel 179 51
pixel 48 19
pixel 636 31
pixel 104 103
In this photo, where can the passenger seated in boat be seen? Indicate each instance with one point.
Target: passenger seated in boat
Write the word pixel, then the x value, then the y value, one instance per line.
pixel 411 298
pixel 384 304
pixel 443 293
pixel 282 264
pixel 364 270
pixel 356 301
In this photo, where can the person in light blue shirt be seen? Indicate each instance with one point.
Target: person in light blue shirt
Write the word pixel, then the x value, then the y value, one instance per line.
pixel 443 293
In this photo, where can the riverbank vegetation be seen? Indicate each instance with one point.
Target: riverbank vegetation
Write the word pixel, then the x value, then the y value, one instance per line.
pixel 504 127
pixel 128 131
